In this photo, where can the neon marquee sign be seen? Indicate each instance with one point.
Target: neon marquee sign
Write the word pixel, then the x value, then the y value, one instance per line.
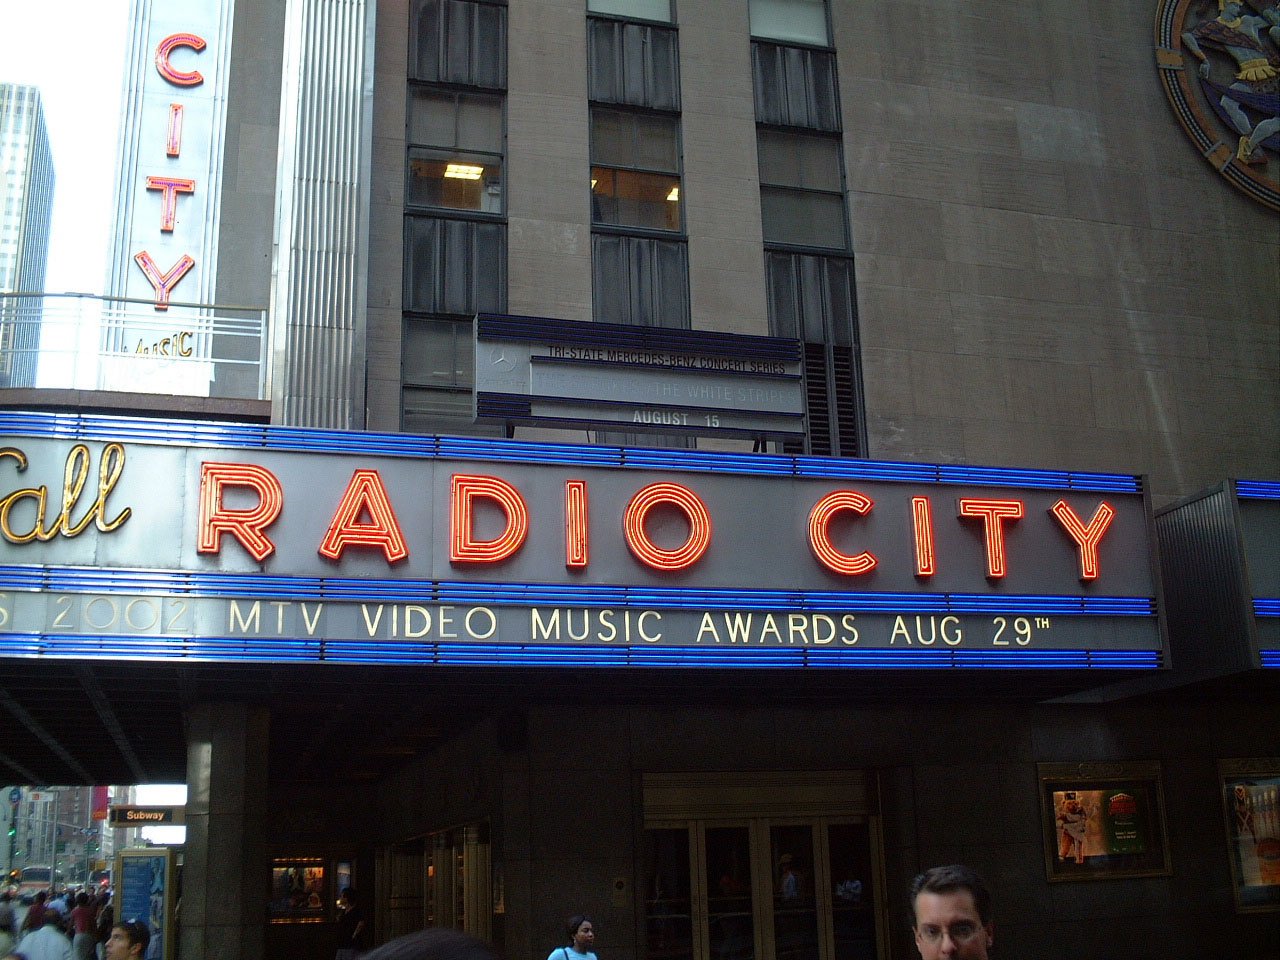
pixel 365 518
pixel 343 544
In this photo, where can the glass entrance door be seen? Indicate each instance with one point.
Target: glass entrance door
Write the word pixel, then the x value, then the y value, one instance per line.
pixel 795 900
pixel 763 889
pixel 730 906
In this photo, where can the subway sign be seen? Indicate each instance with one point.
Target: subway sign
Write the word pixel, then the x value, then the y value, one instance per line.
pixel 128 815
pixel 134 538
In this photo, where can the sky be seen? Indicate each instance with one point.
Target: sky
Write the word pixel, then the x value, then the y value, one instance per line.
pixel 160 795
pixel 73 50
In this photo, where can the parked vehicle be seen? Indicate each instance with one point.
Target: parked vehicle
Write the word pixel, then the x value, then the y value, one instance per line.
pixel 36 878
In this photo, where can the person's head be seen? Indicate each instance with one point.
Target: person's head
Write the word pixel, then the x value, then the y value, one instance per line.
pixel 434 944
pixel 348 895
pixel 82 899
pixel 41 896
pixel 581 931
pixel 128 941
pixel 951 914
pixel 52 916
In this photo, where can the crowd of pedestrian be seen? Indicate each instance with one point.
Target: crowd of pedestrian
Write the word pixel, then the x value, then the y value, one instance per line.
pixel 59 925
pixel 951 920
pixel 951 910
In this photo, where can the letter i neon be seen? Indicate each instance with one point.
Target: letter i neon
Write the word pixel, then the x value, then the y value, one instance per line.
pixel 173 140
pixel 922 524
pixel 575 524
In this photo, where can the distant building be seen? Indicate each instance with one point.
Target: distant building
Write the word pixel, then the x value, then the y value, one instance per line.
pixel 26 212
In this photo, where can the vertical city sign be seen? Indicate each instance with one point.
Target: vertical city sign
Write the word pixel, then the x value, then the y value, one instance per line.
pixel 169 180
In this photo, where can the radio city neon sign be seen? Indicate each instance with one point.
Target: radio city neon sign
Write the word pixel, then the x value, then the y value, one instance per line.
pixel 366 519
pixel 170 188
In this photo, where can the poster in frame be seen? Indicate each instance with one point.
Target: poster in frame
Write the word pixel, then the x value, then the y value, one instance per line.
pixel 299 890
pixel 342 881
pixel 146 892
pixel 1251 805
pixel 1103 821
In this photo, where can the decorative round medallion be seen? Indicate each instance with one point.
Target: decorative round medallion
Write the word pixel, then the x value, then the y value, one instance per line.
pixel 1219 61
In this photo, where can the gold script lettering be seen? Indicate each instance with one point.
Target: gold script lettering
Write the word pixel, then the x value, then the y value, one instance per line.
pixel 75 474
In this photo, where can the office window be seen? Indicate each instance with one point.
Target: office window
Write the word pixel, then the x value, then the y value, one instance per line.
pixel 635 179
pixel 460 181
pixel 811 298
pixel 802 205
pixel 641 281
pixel 455 266
pixel 801 194
pixel 639 259
pixel 795 86
pixel 633 63
pixel 455 151
pixel 455 256
pixel 791 21
pixel 438 370
pixel 459 41
pixel 453 270
pixel 633 9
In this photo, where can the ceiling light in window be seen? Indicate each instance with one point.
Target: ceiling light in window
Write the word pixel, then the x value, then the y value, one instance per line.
pixel 674 195
pixel 463 171
pixel 594 181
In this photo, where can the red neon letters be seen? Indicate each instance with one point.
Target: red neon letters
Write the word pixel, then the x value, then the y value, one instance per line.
pixel 163 282
pixel 820 539
pixel 1087 537
pixel 171 186
pixel 575 524
pixel 922 526
pixel 248 525
pixel 993 513
pixel 173 137
pixel 365 495
pixel 464 547
pixel 178 78
pixel 684 500
pixel 365 518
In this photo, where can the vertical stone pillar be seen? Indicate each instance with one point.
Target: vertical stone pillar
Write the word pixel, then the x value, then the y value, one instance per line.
pixel 322 214
pixel 224 879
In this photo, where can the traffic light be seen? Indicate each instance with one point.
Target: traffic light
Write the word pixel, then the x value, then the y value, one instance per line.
pixel 13 830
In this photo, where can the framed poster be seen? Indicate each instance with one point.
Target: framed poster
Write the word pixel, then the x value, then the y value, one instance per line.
pixel 342 881
pixel 299 891
pixel 145 892
pixel 1103 820
pixel 1251 803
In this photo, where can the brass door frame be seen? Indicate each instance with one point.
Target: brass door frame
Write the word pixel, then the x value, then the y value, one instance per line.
pixel 756 802
pixel 444 879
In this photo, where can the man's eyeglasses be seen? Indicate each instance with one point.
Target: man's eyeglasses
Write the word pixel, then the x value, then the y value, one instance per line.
pixel 961 932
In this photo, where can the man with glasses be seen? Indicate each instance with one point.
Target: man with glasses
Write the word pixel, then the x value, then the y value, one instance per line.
pixel 128 941
pixel 951 907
